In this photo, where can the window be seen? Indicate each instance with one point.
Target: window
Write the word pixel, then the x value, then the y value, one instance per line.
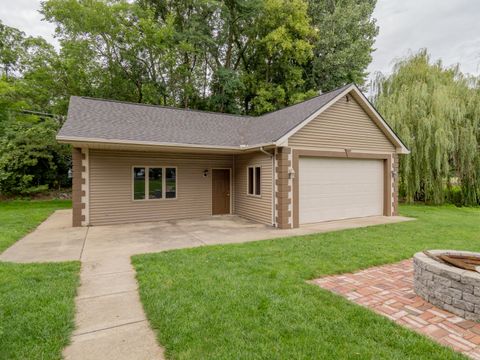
pixel 138 183
pixel 161 183
pixel 257 181
pixel 155 183
pixel 250 181
pixel 254 180
pixel 171 183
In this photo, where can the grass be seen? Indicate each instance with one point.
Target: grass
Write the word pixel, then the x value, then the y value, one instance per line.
pixel 18 217
pixel 37 309
pixel 251 301
pixel 36 300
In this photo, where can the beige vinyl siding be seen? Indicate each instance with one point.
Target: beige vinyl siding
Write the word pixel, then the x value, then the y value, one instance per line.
pixel 111 186
pixel 343 125
pixel 255 208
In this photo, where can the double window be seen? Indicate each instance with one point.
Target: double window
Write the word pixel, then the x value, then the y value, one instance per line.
pixel 254 180
pixel 151 182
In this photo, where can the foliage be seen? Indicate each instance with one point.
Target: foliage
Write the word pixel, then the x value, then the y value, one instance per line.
pixel 11 44
pixel 252 301
pixel 436 111
pixel 239 56
pixel 31 159
pixel 343 47
pixel 235 56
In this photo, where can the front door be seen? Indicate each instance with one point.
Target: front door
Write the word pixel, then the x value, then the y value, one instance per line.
pixel 220 191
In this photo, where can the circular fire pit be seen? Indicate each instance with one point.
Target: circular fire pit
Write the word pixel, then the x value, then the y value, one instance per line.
pixel 449 287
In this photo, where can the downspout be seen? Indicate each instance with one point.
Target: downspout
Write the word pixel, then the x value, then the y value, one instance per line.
pixel 274 192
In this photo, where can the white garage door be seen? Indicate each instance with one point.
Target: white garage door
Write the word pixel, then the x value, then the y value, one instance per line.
pixel 331 189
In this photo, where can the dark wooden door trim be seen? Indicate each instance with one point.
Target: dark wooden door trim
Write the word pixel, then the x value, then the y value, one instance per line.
pixel 221 191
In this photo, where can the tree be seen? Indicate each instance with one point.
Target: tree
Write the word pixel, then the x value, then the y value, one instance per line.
pixel 273 69
pixel 30 158
pixel 128 51
pixel 10 49
pixel 342 50
pixel 436 111
pixel 238 56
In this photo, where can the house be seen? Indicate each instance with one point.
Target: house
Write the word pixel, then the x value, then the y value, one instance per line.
pixel 327 158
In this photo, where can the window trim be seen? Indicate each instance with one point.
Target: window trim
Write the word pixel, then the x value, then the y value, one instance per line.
pixel 147 183
pixel 254 186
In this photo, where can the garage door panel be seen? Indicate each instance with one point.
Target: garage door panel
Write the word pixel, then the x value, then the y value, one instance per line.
pixel 333 189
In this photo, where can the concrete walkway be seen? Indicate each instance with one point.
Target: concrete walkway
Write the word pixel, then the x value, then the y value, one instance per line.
pixel 110 321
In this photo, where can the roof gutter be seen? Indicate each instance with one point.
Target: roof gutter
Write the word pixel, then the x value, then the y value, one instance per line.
pixel 265 152
pixel 74 140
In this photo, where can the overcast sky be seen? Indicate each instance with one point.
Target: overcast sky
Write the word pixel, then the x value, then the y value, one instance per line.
pixel 449 29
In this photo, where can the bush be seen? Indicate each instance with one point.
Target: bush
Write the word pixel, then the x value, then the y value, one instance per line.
pixel 454 195
pixel 31 160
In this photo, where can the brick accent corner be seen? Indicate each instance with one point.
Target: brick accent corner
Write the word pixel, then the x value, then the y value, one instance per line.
pixel 283 188
pixel 77 204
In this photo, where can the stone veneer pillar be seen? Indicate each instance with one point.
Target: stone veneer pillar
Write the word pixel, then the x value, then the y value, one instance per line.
pixel 77 170
pixel 283 188
pixel 395 178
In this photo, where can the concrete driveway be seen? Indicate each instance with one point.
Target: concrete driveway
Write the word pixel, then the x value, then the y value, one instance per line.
pixel 56 240
pixel 110 321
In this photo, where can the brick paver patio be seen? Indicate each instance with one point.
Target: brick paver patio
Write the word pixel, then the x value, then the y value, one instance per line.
pixel 388 290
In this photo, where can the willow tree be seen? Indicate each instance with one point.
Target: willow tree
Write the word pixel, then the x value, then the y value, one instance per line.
pixel 436 111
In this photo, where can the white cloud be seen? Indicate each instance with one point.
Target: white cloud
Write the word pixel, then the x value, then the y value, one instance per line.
pixel 24 15
pixel 448 29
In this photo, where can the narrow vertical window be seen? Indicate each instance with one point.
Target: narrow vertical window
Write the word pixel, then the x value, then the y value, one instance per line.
pixel 254 180
pixel 250 181
pixel 257 181
pixel 155 183
pixel 138 183
pixel 170 183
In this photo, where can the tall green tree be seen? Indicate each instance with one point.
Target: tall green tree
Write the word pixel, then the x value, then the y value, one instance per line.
pixel 342 50
pixel 235 56
pixel 30 158
pixel 282 45
pixel 436 111
pixel 11 48
pixel 238 56
pixel 128 51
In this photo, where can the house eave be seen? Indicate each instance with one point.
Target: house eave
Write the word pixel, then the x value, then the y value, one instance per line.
pixel 99 143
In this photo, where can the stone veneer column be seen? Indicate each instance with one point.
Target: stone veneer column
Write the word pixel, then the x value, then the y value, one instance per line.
pixel 77 169
pixel 283 188
pixel 395 178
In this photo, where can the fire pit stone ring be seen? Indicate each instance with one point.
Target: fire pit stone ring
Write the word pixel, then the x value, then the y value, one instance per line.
pixel 451 288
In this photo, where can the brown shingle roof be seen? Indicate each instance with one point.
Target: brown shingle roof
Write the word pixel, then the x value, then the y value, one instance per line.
pixel 110 120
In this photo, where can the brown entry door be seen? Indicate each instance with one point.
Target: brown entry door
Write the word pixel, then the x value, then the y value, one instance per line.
pixel 220 191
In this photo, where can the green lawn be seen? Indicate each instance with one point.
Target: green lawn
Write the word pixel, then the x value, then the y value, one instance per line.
pixel 36 309
pixel 19 217
pixel 36 300
pixel 251 301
